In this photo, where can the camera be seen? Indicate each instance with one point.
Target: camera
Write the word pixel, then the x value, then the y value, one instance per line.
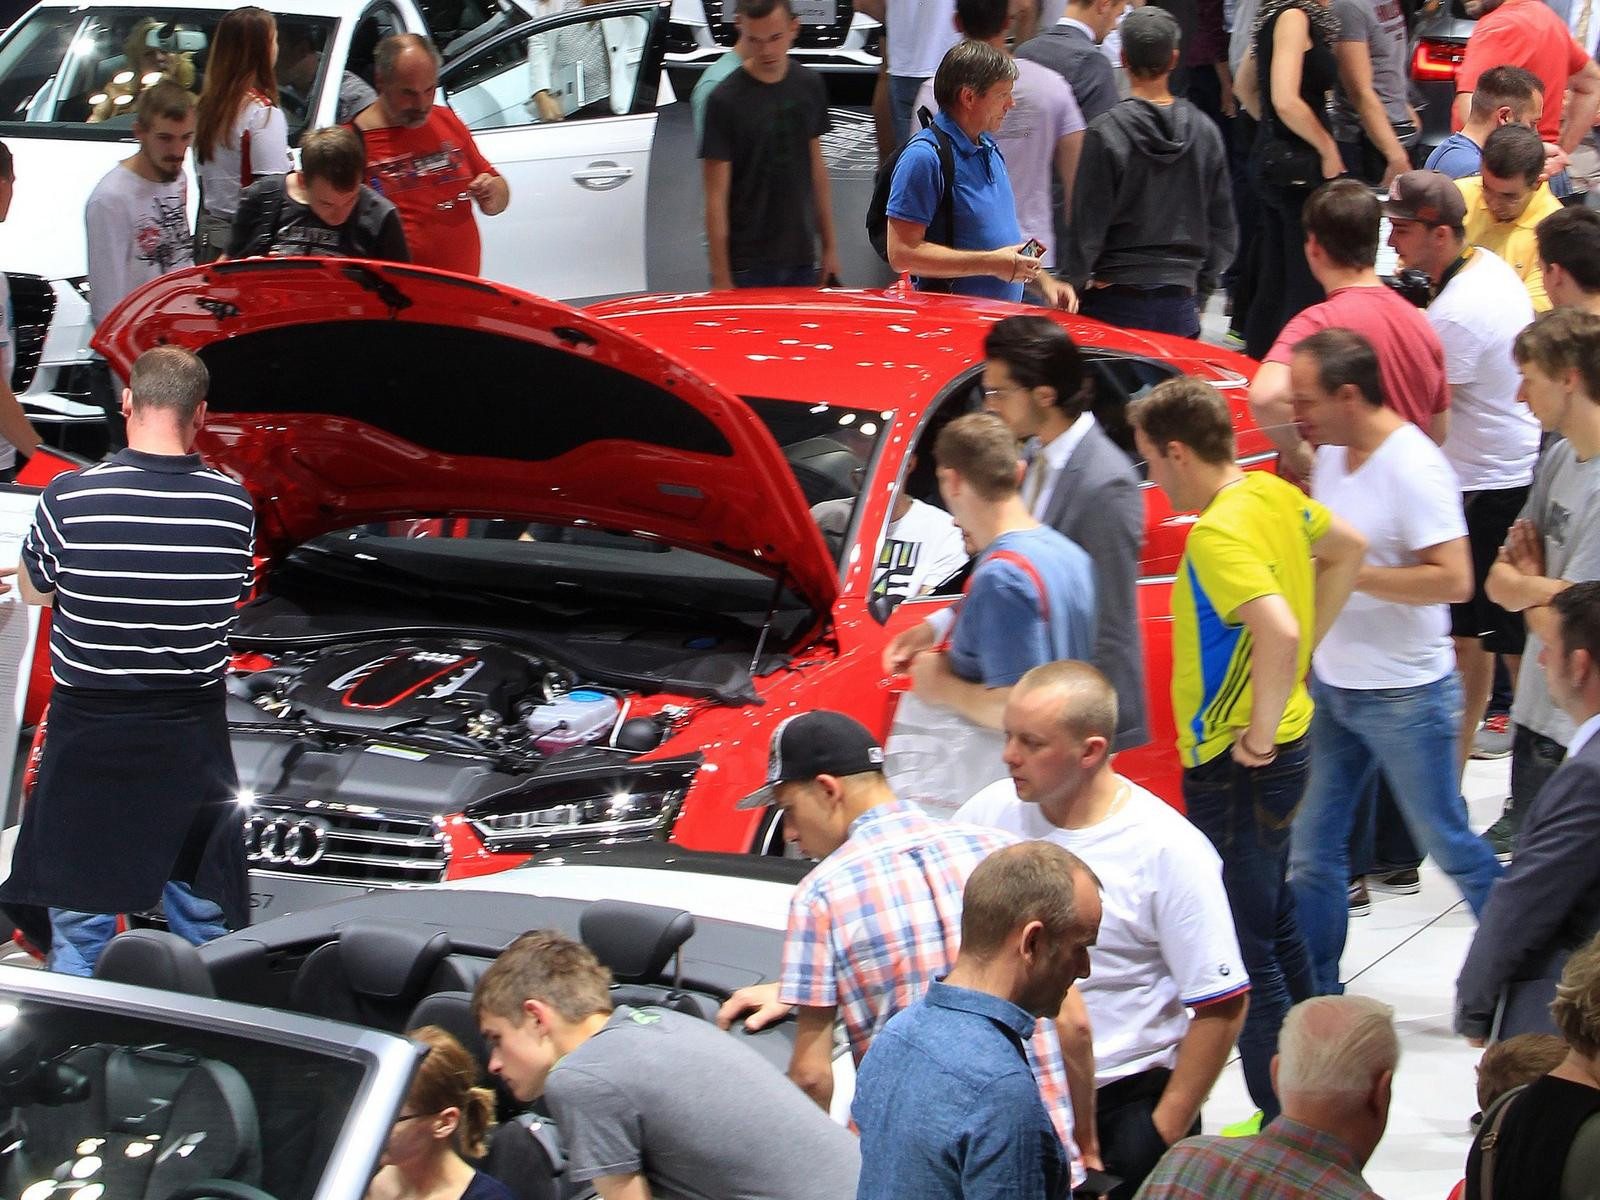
pixel 1413 284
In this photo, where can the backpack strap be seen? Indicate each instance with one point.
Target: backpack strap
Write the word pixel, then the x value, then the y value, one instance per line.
pixel 1489 1141
pixel 1025 565
pixel 942 229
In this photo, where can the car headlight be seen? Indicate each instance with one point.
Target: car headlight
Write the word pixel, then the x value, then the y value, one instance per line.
pixel 633 806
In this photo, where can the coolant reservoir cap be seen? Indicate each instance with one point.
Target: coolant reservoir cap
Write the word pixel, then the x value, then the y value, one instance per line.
pixel 586 696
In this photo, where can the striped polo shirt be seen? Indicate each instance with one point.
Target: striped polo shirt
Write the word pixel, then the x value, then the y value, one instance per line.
pixel 148 556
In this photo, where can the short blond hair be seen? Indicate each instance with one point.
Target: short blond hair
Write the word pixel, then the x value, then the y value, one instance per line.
pixel 1576 1008
pixel 543 965
pixel 1089 707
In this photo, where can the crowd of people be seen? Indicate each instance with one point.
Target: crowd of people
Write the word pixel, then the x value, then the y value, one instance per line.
pixel 1039 967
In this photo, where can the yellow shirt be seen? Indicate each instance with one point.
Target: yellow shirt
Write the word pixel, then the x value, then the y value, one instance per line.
pixel 1511 240
pixel 1253 540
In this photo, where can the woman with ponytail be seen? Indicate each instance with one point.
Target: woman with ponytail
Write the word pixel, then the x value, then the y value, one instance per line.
pixel 241 135
pixel 445 1116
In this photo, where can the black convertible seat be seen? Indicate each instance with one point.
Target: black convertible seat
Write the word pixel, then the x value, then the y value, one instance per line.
pixel 377 970
pixel 157 1119
pixel 452 1012
pixel 638 941
pixel 157 959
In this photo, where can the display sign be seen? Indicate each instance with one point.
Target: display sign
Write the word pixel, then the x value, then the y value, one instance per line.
pixel 810 12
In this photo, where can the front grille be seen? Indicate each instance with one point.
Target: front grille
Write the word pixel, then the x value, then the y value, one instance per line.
pixel 341 845
pixel 812 37
pixel 33 305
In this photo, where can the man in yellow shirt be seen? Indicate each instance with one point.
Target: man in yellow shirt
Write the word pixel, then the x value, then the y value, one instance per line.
pixel 1508 200
pixel 1265 571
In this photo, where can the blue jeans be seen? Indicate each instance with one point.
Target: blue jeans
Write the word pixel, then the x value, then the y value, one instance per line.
pixel 761 277
pixel 903 91
pixel 1247 814
pixel 77 938
pixel 1166 313
pixel 1410 735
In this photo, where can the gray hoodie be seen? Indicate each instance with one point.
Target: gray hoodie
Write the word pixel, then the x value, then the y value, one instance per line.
pixel 1153 205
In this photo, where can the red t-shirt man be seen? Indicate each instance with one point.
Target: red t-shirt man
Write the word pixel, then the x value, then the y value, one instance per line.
pixel 1527 34
pixel 1410 358
pixel 424 172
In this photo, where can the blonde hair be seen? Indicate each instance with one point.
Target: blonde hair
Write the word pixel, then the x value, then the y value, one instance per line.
pixel 1576 1008
pixel 1516 1061
pixel 448 1078
pixel 1336 1046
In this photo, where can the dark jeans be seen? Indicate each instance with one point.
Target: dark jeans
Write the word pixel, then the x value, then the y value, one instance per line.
pixel 1247 814
pixel 1160 310
pixel 761 277
pixel 1130 1146
pixel 1283 283
pixel 1379 840
pixel 1534 758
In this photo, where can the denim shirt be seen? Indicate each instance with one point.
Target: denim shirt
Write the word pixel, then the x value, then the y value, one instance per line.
pixel 948 1108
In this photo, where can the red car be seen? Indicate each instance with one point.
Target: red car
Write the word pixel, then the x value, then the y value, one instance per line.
pixel 535 577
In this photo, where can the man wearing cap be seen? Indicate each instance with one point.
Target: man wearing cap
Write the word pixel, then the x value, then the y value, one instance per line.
pixel 1479 306
pixel 879 918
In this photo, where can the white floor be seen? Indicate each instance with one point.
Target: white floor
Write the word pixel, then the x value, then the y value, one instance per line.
pixel 1406 952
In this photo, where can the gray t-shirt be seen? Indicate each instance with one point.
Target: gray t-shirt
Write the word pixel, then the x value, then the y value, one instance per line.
pixel 702 1116
pixel 1564 504
pixel 1381 24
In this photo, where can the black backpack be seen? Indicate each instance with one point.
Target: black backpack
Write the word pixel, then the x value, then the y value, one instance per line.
pixel 941 230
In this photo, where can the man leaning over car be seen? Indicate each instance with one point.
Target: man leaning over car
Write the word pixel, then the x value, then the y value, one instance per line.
pixel 144 558
pixel 890 877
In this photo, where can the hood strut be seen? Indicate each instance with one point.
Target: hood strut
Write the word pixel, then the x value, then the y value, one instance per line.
pixel 778 584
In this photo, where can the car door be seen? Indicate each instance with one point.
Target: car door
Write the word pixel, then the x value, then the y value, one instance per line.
pixel 577 155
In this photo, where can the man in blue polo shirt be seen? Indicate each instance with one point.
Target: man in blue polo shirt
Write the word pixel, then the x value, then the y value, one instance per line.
pixel 973 90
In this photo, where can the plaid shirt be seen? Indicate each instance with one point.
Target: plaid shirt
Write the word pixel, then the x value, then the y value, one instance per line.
pixel 1285 1161
pixel 880 919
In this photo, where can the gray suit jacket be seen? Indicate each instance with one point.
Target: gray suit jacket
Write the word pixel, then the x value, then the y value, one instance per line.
pixel 1544 907
pixel 1096 503
pixel 1070 53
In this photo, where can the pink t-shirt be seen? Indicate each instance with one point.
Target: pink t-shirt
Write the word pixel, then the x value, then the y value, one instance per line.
pixel 1410 358
pixel 1046 112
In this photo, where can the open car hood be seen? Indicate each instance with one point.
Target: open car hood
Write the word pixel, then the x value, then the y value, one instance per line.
pixel 344 392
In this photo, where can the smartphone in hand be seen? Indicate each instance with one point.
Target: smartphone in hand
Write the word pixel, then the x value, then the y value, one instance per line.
pixel 1033 248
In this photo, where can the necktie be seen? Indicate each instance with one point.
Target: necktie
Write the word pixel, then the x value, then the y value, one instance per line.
pixel 1583 24
pixel 1033 480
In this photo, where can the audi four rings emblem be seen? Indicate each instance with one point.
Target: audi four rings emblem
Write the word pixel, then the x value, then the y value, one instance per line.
pixel 285 841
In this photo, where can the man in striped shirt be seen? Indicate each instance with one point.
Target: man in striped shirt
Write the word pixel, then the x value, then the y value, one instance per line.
pixel 879 919
pixel 144 559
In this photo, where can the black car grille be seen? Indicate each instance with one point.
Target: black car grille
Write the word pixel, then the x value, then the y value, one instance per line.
pixel 812 37
pixel 33 305
pixel 340 845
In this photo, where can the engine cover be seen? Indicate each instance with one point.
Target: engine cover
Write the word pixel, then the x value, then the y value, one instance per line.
pixel 439 683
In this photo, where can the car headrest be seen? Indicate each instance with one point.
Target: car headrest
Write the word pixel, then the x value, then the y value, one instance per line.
pixel 389 959
pixel 636 941
pixel 157 959
pixel 452 1012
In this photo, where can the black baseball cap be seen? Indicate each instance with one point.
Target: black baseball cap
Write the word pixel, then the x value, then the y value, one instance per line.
pixel 816 743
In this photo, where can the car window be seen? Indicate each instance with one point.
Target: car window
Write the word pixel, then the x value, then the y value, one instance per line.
pixel 83 69
pixel 579 70
pixel 126 1105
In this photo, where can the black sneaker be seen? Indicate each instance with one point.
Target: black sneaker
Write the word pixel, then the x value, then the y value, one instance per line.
pixel 1502 836
pixel 1396 883
pixel 1360 902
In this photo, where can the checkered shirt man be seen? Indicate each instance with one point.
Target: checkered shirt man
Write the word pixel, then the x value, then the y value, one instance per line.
pixel 880 919
pixel 1285 1161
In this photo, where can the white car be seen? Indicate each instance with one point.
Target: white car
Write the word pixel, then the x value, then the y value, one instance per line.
pixel 576 225
pixel 833 37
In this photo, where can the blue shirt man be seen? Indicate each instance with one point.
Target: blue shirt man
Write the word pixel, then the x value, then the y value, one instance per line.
pixel 947 1106
pixel 1457 156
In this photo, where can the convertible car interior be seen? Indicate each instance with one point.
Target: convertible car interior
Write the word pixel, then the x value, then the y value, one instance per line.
pixel 390 961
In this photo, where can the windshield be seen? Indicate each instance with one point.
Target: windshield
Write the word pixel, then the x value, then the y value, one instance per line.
pixel 107 1105
pixel 582 572
pixel 81 70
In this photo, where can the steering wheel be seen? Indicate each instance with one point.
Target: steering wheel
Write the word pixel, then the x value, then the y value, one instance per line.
pixel 219 1189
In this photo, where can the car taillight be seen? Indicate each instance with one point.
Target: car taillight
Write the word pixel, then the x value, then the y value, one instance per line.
pixel 1436 62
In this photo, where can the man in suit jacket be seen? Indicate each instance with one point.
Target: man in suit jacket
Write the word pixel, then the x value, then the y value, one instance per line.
pixel 1548 902
pixel 1079 483
pixel 1071 48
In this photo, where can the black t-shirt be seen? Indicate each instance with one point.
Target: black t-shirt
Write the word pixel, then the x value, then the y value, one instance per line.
pixel 765 130
pixel 273 224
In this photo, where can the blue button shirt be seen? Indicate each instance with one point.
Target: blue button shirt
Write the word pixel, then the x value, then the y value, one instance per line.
pixel 983 209
pixel 947 1106
pixel 1457 156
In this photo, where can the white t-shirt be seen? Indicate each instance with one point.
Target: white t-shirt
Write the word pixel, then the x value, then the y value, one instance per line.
pixel 1166 939
pixel 1046 112
pixel 920 31
pixel 1494 439
pixel 8 359
pixel 920 550
pixel 1403 499
pixel 220 175
pixel 137 230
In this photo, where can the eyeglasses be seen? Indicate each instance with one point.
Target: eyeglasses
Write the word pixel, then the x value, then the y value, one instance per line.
pixel 989 393
pixel 404 1117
